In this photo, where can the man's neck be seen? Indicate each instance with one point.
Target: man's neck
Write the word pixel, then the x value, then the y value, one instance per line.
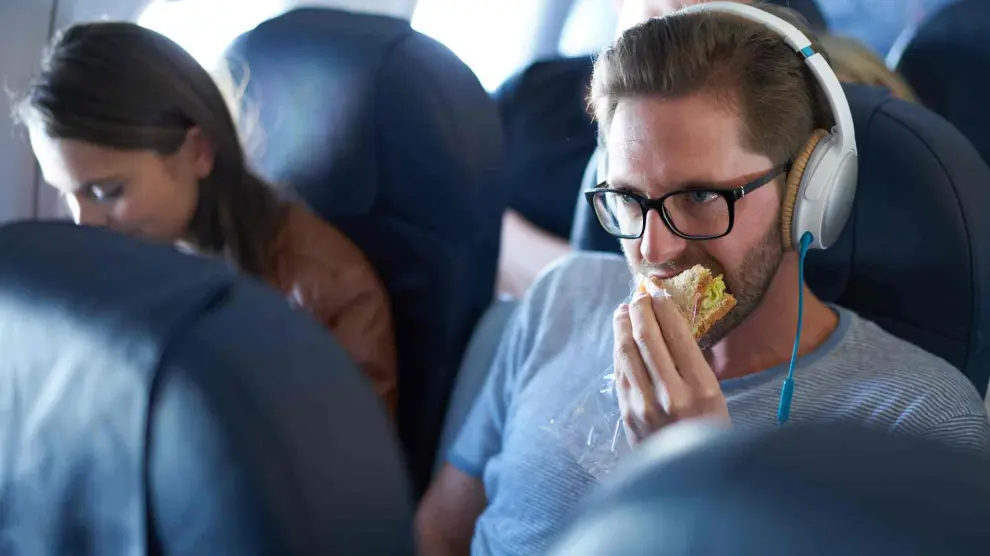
pixel 765 338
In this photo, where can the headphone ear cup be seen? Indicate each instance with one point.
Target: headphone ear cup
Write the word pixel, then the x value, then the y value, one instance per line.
pixel 793 186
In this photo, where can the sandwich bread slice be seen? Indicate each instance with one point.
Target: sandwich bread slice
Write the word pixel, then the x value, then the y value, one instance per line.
pixel 699 296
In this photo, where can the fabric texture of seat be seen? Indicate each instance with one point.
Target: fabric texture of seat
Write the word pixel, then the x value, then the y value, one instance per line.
pixel 156 403
pixel 915 254
pixel 944 63
pixel 821 489
pixel 389 136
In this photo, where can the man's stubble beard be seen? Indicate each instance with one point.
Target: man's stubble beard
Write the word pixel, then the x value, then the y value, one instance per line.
pixel 749 285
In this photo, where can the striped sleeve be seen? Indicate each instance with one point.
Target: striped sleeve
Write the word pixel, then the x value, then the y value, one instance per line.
pixel 970 432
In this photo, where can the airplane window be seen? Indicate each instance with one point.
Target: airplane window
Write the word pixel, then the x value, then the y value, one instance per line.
pixel 494 39
pixel 590 27
pixel 877 23
pixel 206 28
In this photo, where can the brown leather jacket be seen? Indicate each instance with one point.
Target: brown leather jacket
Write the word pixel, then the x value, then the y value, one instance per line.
pixel 324 273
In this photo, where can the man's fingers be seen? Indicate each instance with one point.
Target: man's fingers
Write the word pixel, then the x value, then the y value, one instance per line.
pixel 629 423
pixel 633 433
pixel 653 347
pixel 682 346
pixel 641 399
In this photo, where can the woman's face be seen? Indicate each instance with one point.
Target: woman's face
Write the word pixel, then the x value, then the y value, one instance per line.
pixel 136 192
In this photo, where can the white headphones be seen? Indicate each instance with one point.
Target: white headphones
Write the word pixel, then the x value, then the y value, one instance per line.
pixel 822 182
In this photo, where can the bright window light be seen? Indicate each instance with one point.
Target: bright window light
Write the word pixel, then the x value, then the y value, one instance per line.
pixel 205 28
pixel 494 38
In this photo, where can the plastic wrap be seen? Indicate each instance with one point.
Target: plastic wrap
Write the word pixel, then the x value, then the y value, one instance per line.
pixel 591 429
pixel 591 426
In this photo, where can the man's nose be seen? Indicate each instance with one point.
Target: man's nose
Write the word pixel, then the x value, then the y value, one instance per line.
pixel 86 213
pixel 659 244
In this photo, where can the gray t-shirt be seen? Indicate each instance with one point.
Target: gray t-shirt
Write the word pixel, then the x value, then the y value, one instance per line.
pixel 560 341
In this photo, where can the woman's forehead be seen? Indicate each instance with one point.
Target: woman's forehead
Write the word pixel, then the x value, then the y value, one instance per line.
pixel 68 164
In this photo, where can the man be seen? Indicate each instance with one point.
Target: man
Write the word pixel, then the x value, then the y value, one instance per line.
pixel 680 101
pixel 549 138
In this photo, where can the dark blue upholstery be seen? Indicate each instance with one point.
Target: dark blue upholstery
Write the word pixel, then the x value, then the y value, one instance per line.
pixel 813 490
pixel 386 134
pixel 915 255
pixel 587 233
pixel 549 135
pixel 155 403
pixel 945 62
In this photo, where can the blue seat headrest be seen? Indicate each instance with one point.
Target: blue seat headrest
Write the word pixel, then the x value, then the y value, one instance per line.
pixel 154 402
pixel 915 254
pixel 389 136
pixel 943 62
pixel 819 489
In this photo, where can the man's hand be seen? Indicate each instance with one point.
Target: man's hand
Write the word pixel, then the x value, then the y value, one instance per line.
pixel 661 374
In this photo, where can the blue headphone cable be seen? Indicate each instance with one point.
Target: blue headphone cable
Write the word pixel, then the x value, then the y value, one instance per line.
pixel 787 392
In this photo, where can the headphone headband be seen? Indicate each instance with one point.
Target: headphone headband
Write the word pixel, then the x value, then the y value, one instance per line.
pixel 797 40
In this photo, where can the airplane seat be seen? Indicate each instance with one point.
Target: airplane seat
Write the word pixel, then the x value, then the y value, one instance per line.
pixel 389 136
pixel 157 403
pixel 943 61
pixel 812 489
pixel 587 234
pixel 915 254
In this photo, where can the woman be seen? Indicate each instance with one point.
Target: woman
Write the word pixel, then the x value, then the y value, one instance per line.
pixel 137 137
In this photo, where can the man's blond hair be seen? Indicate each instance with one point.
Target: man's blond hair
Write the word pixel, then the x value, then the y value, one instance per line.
pixel 746 66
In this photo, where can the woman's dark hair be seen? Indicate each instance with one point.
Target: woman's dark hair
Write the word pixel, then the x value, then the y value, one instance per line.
pixel 123 86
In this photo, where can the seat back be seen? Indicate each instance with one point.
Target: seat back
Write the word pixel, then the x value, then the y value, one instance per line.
pixel 915 254
pixel 587 233
pixel 390 137
pixel 943 62
pixel 155 403
pixel 822 489
pixel 549 136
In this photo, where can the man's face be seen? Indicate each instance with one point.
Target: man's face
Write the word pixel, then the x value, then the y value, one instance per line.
pixel 656 146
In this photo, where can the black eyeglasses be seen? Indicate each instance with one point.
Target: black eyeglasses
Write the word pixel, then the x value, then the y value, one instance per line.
pixel 693 214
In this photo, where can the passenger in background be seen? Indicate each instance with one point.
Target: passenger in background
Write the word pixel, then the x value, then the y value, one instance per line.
pixel 854 62
pixel 137 137
pixel 549 139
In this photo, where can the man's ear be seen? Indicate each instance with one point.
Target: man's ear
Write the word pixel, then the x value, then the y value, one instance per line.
pixel 200 152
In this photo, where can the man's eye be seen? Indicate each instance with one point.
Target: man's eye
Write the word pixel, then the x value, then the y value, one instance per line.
pixel 703 196
pixel 105 192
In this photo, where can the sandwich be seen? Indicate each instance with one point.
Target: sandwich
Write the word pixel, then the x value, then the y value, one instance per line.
pixel 699 296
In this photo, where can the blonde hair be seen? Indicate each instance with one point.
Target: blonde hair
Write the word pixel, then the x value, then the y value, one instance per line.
pixel 246 115
pixel 743 63
pixel 854 62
